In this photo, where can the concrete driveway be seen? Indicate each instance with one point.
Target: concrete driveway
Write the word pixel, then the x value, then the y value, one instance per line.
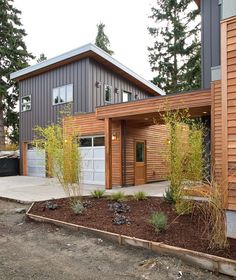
pixel 27 189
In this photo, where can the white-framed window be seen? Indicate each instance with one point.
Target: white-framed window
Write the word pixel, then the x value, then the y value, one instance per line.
pixel 107 93
pixel 26 103
pixel 63 94
pixel 126 96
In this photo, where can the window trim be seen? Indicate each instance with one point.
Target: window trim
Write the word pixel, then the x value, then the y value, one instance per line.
pixel 105 101
pixel 129 94
pixel 60 103
pixel 27 103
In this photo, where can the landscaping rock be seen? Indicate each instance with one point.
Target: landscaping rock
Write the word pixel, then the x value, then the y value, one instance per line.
pixel 120 220
pixel 20 210
pixel 50 205
pixel 119 207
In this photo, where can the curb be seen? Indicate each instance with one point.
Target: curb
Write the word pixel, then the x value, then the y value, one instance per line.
pixel 202 260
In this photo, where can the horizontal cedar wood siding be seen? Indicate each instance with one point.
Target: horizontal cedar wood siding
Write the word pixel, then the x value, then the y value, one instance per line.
pixel 155 137
pixel 231 109
pixel 216 130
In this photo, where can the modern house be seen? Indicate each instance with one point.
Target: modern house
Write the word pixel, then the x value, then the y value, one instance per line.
pixel 113 109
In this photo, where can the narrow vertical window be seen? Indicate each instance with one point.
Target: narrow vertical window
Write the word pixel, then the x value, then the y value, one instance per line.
pixel 26 103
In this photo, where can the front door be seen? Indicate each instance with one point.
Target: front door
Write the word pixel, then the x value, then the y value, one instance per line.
pixel 140 163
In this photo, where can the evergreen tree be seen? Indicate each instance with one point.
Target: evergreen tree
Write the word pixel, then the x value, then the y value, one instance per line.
pixel 175 55
pixel 41 58
pixel 13 57
pixel 102 41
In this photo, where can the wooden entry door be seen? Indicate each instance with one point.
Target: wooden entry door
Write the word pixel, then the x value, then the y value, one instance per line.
pixel 140 162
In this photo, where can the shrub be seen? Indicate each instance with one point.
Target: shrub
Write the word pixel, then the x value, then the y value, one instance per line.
pixel 78 208
pixel 97 193
pixel 169 196
pixel 140 195
pixel 118 196
pixel 159 221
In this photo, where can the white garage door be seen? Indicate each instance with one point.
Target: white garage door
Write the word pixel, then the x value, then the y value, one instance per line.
pixel 92 151
pixel 35 162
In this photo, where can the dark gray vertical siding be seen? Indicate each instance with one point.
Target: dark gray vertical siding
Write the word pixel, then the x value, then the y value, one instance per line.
pixel 210 12
pixel 105 76
pixel 40 88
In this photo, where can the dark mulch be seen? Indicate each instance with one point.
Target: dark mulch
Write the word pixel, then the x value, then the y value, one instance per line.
pixel 185 231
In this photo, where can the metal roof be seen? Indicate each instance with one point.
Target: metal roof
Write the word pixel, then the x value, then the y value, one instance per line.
pixel 82 50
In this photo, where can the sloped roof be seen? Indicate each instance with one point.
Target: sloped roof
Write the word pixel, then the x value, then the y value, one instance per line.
pixel 88 50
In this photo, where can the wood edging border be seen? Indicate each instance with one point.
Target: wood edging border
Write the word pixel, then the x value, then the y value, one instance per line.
pixel 198 259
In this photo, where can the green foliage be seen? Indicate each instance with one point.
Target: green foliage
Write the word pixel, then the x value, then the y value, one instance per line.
pixel 98 193
pixel 184 206
pixel 102 41
pixel 78 208
pixel 63 157
pixel 140 195
pixel 14 56
pixel 184 157
pixel 175 54
pixel 169 196
pixel 118 196
pixel 159 221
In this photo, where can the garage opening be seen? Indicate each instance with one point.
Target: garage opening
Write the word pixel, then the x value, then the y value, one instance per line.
pixel 92 149
pixel 36 162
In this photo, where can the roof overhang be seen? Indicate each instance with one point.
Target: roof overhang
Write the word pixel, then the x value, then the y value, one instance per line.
pixel 94 52
pixel 197 102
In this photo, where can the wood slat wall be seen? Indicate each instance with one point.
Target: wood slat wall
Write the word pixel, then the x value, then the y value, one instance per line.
pixel 216 130
pixel 155 137
pixel 228 102
pixel 231 108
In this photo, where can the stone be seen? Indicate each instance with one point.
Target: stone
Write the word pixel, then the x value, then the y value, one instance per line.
pixel 20 210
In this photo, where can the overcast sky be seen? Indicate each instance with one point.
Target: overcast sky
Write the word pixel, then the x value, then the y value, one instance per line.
pixel 57 26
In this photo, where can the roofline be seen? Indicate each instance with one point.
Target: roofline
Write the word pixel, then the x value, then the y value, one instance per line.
pixel 198 2
pixel 78 51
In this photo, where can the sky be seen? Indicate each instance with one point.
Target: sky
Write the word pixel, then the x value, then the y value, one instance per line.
pixel 58 26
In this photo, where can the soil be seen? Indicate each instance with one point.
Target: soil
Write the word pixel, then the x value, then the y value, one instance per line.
pixel 186 231
pixel 30 250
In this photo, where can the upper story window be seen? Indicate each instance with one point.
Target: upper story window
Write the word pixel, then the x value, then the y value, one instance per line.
pixel 62 94
pixel 107 93
pixel 26 103
pixel 127 96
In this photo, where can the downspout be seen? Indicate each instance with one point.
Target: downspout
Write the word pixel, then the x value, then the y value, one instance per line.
pixel 123 154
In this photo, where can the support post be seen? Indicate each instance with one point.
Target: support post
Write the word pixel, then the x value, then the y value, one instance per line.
pixel 108 152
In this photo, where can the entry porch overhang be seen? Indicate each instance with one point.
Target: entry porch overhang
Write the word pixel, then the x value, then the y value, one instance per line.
pixel 148 112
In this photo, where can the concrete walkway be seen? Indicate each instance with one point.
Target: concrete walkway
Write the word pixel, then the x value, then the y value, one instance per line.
pixel 28 189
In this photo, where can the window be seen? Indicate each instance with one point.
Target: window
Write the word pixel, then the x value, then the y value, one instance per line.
pixel 62 94
pixel 85 142
pixel 139 151
pixel 107 93
pixel 126 96
pixel 26 103
pixel 99 141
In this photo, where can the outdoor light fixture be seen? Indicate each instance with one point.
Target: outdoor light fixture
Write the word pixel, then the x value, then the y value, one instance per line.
pixel 204 112
pixel 98 84
pixel 146 119
pixel 117 91
pixel 115 136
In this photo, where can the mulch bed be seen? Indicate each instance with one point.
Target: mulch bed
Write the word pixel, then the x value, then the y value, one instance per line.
pixel 186 231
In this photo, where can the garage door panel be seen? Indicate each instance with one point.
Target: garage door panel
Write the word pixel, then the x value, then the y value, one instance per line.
pixel 93 160
pixel 99 165
pixel 99 153
pixel 35 162
pixel 86 153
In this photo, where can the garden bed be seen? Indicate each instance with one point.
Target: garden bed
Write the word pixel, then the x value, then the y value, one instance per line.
pixel 184 231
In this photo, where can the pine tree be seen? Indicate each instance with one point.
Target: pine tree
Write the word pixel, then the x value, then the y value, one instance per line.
pixel 13 57
pixel 175 55
pixel 41 58
pixel 102 41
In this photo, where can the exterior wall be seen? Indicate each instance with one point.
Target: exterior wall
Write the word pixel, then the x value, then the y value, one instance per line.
pixel 210 12
pixel 155 137
pixel 40 88
pixel 99 73
pixel 228 74
pixel 216 130
pixel 88 125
